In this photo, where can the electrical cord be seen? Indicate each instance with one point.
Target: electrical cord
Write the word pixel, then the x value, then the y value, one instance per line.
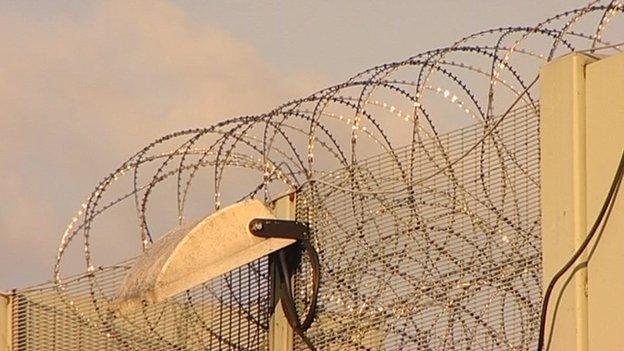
pixel 600 219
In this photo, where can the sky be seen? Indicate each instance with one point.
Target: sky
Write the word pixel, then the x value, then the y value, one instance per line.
pixel 84 84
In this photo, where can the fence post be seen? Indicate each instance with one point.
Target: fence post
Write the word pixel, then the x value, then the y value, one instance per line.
pixel 5 322
pixel 605 141
pixel 563 197
pixel 280 332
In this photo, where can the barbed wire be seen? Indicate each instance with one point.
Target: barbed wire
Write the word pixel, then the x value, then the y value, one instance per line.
pixel 405 106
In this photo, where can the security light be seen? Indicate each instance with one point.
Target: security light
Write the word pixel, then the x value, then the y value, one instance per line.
pixel 197 252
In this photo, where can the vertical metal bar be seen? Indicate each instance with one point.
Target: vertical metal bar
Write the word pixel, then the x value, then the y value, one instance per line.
pixel 280 332
pixel 563 196
pixel 5 322
pixel 605 142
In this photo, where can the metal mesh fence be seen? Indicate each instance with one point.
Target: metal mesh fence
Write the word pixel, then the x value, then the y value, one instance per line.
pixel 228 313
pixel 434 246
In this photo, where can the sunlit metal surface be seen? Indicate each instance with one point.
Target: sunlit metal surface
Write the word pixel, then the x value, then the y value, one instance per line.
pixel 450 262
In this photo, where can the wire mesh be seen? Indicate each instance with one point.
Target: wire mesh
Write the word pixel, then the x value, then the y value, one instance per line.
pixel 450 262
pixel 229 313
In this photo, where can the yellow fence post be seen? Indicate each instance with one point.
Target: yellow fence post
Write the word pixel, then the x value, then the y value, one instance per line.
pixel 582 138
pixel 5 322
pixel 280 333
pixel 563 196
pixel 605 141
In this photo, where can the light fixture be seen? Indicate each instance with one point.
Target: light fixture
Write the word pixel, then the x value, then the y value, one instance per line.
pixel 202 250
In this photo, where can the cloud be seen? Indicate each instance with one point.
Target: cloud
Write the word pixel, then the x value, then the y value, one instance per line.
pixel 79 94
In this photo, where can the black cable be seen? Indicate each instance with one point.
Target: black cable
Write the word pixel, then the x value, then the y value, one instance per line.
pixel 314 262
pixel 290 257
pixel 290 309
pixel 608 203
pixel 286 294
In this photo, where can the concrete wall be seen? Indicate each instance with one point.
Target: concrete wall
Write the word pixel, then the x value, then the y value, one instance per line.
pixel 582 135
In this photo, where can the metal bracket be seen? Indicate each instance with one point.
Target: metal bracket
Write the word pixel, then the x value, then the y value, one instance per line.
pixel 286 229
pixel 278 228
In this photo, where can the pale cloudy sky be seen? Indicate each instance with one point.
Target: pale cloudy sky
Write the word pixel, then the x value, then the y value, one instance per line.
pixel 83 84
